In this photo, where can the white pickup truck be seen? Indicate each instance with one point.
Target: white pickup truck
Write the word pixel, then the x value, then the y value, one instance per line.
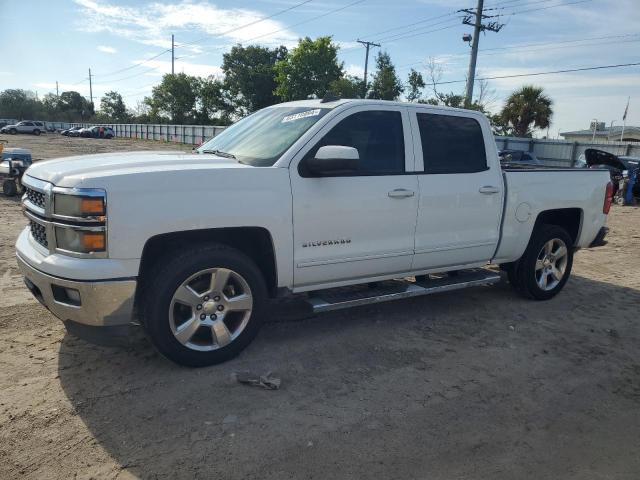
pixel 352 201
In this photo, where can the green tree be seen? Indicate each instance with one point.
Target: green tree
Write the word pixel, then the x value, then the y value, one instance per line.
pixel 74 106
pixel 113 107
pixel 19 104
pixel 250 76
pixel 527 109
pixel 214 105
pixel 308 70
pixel 51 105
pixel 416 84
pixel 386 85
pixel 174 99
pixel 347 87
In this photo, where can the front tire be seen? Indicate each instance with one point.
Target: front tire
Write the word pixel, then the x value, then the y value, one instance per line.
pixel 9 188
pixel 546 264
pixel 204 306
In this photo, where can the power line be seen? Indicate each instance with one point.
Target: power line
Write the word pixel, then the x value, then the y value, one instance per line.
pixel 556 42
pixel 522 3
pixel 317 17
pixel 133 66
pixel 565 44
pixel 399 36
pixel 571 70
pixel 402 37
pixel 235 29
pixel 518 12
pixel 412 24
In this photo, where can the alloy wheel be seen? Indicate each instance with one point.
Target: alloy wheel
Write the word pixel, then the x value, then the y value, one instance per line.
pixel 210 309
pixel 551 264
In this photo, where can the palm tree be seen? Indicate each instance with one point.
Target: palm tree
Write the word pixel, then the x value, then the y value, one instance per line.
pixel 527 109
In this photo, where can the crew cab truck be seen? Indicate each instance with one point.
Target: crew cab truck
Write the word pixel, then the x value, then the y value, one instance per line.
pixel 336 198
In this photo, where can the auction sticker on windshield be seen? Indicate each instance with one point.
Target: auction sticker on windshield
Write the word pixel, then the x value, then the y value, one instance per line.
pixel 298 116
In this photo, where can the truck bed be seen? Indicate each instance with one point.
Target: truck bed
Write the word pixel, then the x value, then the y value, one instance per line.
pixel 531 190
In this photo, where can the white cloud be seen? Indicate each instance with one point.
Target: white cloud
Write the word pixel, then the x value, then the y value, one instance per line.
pixel 347 45
pixel 354 70
pixel 106 49
pixel 152 23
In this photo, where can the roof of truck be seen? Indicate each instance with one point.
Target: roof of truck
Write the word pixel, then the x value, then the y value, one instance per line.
pixel 319 103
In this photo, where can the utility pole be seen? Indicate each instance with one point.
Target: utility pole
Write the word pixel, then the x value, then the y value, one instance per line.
pixel 478 27
pixel 57 92
pixel 366 60
pixel 173 49
pixel 90 89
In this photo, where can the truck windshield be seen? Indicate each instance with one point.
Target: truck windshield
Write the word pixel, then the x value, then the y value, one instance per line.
pixel 261 138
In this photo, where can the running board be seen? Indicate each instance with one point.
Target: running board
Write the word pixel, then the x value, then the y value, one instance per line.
pixel 346 297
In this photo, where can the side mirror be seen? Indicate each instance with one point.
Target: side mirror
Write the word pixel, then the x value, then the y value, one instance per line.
pixel 333 159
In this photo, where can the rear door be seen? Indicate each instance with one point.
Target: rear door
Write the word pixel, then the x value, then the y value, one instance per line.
pixel 361 224
pixel 461 194
pixel 25 127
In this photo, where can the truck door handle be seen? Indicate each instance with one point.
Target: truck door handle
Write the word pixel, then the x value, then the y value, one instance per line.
pixel 401 193
pixel 489 189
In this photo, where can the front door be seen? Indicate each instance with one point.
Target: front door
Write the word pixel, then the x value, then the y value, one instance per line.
pixel 359 225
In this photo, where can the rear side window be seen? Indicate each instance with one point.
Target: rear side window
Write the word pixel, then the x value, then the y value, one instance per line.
pixel 451 144
pixel 378 137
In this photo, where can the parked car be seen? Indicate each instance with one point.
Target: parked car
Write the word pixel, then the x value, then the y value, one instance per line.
pixel 622 169
pixel 519 157
pixel 77 132
pixel 27 126
pixel 13 163
pixel 298 197
pixel 97 132
pixel 68 131
pixel 4 122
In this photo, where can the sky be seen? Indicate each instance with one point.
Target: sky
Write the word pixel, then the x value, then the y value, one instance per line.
pixel 59 41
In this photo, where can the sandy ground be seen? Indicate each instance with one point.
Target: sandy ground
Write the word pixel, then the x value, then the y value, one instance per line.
pixel 474 384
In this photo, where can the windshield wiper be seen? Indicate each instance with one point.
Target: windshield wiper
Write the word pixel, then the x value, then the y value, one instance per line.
pixel 220 153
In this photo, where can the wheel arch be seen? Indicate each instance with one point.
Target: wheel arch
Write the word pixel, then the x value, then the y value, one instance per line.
pixel 568 218
pixel 255 242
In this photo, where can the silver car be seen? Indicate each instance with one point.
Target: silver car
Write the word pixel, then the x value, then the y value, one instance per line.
pixel 26 126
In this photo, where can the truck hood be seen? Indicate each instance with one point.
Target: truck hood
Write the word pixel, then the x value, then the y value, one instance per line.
pixel 599 157
pixel 70 171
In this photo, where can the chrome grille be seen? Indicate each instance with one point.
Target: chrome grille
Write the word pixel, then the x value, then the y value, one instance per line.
pixel 39 233
pixel 35 197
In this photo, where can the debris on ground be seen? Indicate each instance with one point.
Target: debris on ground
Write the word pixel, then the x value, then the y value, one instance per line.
pixel 267 381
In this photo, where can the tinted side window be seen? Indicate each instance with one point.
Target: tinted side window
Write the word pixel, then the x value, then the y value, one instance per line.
pixel 378 137
pixel 451 144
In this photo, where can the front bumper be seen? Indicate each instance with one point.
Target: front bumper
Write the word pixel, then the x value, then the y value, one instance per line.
pixel 106 303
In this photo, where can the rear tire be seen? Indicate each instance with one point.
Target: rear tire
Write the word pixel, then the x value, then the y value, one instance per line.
pixel 204 306
pixel 545 266
pixel 9 188
pixel 36 132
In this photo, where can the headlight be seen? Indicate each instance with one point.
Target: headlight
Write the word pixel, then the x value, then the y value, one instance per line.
pixel 80 241
pixel 79 206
